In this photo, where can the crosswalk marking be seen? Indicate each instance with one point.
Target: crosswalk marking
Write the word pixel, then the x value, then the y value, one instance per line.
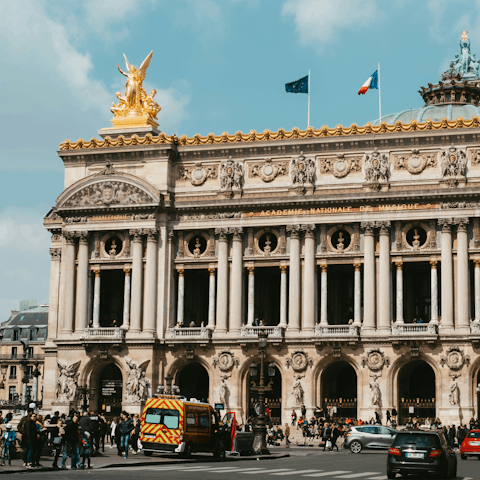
pixel 358 475
pixel 224 469
pixel 324 474
pixel 296 472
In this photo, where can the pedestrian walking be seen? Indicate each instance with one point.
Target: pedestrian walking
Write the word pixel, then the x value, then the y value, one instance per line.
pixel 39 441
pixel 304 411
pixel 294 418
pixel 335 434
pixel 326 434
pixel 57 441
pixel 389 417
pixel 452 433
pixel 378 420
pixel 31 438
pixel 287 434
pixel 8 444
pixel 126 429
pixel 87 449
pixel 135 433
pixel 72 440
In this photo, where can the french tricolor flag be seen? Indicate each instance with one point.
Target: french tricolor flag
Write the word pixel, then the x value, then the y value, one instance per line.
pixel 372 82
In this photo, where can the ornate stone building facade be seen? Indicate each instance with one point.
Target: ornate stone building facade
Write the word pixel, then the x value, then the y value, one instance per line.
pixel 356 249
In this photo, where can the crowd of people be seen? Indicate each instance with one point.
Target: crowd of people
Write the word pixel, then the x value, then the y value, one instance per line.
pixel 76 435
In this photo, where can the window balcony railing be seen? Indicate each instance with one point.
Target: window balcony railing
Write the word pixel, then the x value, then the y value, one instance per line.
pixel 249 331
pixel 190 333
pixel 336 330
pixel 18 356
pixel 12 377
pixel 415 329
pixel 104 334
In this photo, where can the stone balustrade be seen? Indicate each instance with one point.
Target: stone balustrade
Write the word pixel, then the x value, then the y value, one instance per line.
pixel 248 331
pixel 415 329
pixel 336 330
pixel 191 333
pixel 104 334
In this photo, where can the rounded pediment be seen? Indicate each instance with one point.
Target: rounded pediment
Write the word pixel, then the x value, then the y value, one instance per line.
pixel 110 189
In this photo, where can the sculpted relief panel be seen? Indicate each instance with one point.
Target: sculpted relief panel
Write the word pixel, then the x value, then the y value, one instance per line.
pixel 268 170
pixel 340 166
pixel 415 162
pixel 198 174
pixel 108 193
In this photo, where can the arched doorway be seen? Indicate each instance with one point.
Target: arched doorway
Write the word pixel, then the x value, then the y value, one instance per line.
pixel 111 390
pixel 339 390
pixel 416 391
pixel 194 382
pixel 273 397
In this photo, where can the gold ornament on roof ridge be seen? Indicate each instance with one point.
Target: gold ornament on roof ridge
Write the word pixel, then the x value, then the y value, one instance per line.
pixel 267 135
pixel 136 108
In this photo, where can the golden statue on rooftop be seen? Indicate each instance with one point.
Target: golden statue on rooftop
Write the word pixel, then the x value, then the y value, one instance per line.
pixel 136 108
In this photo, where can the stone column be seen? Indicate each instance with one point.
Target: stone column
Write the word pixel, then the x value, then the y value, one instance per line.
pixel 96 300
pixel 434 291
pixel 283 296
pixel 323 296
pixel 477 290
pixel 137 282
pixel 384 277
pixel 251 295
pixel 222 281
pixel 369 296
pixel 81 315
pixel 126 300
pixel 236 289
pixel 399 312
pixel 181 296
pixel 463 322
pixel 69 283
pixel 294 284
pixel 309 280
pixel 211 299
pixel 447 275
pixel 150 300
pixel 357 288
pixel 53 301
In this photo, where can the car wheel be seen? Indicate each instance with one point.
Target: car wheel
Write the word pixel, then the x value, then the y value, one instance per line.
pixel 356 447
pixel 463 457
pixel 391 475
pixel 147 454
pixel 187 453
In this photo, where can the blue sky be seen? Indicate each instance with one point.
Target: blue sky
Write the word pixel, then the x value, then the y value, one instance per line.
pixel 218 65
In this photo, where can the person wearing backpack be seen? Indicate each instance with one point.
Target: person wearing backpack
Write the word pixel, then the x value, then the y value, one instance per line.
pixel 23 440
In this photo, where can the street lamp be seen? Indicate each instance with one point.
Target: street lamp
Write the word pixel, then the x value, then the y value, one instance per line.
pixel 260 429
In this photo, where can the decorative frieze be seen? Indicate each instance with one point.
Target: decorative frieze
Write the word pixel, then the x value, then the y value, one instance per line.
pixel 268 170
pixel 340 166
pixel 415 162
pixel 453 163
pixel 197 175
pixel 302 170
pixel 231 175
pixel 377 168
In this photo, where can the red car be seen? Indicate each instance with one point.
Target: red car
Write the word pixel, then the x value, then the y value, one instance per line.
pixel 471 445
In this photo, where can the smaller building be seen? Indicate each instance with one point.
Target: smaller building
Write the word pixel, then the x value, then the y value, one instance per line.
pixel 22 338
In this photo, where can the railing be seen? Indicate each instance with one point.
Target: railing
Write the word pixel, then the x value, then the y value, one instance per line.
pixel 252 332
pixel 335 330
pixel 9 356
pixel 414 329
pixel 104 333
pixel 190 332
pixel 12 377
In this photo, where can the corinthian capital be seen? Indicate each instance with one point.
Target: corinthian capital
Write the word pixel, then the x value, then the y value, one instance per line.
pixel 151 233
pixel 236 232
pixel 136 234
pixel 309 229
pixel 56 253
pixel 69 237
pixel 222 233
pixel 368 227
pixel 383 225
pixel 293 229
pixel 446 223
pixel 462 223
pixel 83 237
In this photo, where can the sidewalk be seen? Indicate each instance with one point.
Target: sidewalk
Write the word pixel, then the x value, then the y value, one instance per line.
pixel 110 459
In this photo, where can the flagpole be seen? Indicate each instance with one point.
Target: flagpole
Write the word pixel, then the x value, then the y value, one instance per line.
pixel 308 120
pixel 379 97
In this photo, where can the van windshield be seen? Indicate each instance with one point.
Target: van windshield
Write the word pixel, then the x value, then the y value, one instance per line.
pixel 160 416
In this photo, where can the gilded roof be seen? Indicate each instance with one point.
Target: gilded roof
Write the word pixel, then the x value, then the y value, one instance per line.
pixel 267 135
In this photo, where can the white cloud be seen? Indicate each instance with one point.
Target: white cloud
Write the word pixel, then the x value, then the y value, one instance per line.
pixel 318 21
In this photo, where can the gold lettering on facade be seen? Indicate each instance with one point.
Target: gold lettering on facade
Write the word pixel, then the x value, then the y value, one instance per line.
pixel 331 210
pixel 106 218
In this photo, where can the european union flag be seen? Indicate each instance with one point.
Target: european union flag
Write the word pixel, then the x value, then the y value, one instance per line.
pixel 300 86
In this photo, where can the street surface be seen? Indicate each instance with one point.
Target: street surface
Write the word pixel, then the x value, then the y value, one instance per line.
pixel 303 463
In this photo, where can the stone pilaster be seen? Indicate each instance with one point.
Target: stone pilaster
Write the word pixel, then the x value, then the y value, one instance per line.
pixel 236 293
pixel 222 281
pixel 283 296
pixel 323 295
pixel 69 276
pixel 126 300
pixel 53 303
pixel 211 298
pixel 384 277
pixel 357 291
pixel 150 298
pixel 463 307
pixel 81 317
pixel 294 284
pixel 309 279
pixel 96 299
pixel 399 312
pixel 251 295
pixel 369 290
pixel 434 291
pixel 180 296
pixel 447 275
pixel 137 282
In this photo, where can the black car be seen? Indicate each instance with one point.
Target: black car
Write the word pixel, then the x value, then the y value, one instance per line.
pixel 421 452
